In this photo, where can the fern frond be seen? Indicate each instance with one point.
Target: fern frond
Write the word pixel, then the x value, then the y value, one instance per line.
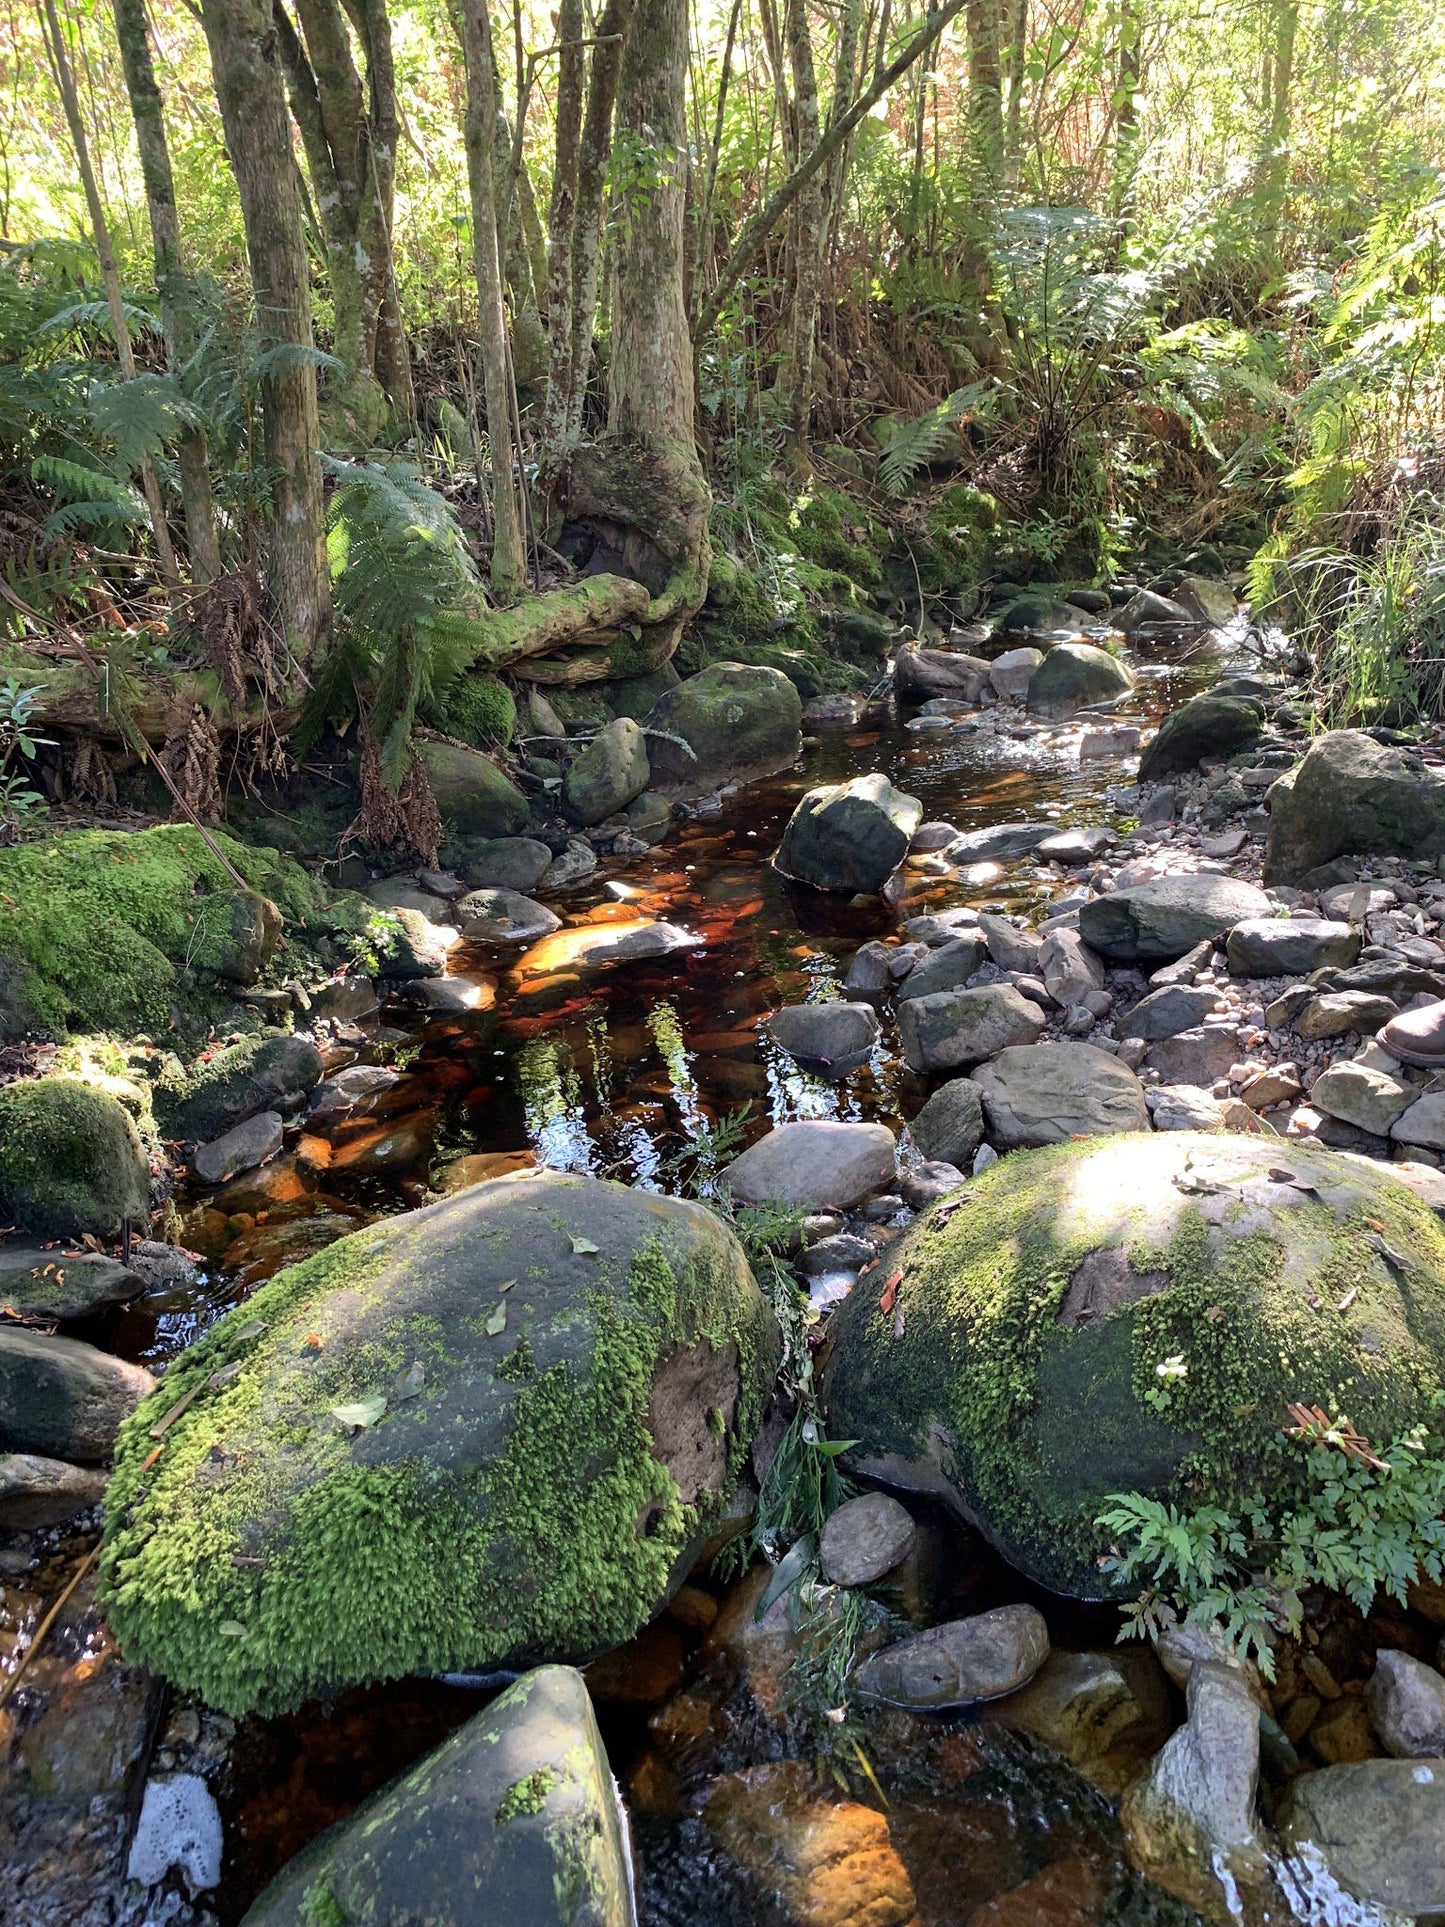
pixel 140 417
pixel 918 442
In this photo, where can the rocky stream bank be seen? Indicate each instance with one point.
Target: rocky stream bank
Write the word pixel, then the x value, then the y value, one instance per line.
pixel 432 1299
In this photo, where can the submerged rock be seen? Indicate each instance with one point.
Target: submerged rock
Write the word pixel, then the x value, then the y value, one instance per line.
pixel 865 1538
pixel 514 1819
pixel 849 837
pixel 1101 1260
pixel 960 1663
pixel 1352 797
pixel 555 1378
pixel 70 1161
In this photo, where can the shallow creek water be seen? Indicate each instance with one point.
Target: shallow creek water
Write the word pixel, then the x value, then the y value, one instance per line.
pixel 617 1070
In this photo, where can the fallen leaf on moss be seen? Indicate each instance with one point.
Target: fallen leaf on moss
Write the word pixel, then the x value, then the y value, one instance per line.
pixel 365 1412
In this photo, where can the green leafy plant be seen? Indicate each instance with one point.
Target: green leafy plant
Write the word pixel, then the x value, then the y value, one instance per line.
pixel 18 737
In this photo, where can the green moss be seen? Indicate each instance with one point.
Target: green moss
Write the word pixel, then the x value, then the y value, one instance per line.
pixel 102 930
pixel 321 1908
pixel 1041 1422
pixel 478 710
pixel 527 1795
pixel 70 1160
pixel 560 1537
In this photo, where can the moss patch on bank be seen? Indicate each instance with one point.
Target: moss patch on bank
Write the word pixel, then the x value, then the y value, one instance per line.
pixel 281 1545
pixel 101 930
pixel 1034 1421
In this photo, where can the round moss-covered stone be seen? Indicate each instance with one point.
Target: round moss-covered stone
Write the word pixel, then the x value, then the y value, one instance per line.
pixel 1019 1373
pixel 484 1432
pixel 70 1160
pixel 733 720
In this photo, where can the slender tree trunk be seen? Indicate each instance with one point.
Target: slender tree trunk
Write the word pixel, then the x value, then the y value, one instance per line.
pixel 795 378
pixel 1018 51
pixel 1274 173
pixel 252 97
pixel 177 318
pixel 1126 117
pixel 593 159
pixel 109 272
pixel 985 110
pixel 562 221
pixel 509 572
pixel 703 247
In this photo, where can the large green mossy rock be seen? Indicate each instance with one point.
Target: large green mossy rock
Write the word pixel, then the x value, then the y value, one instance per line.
pixel 1207 726
pixel 71 1161
pixel 733 721
pixel 483 1432
pixel 1018 1373
pixel 109 931
pixel 1352 796
pixel 472 795
pixel 514 1822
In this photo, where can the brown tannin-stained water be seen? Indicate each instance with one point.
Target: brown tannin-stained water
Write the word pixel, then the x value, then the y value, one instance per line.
pixel 620 1070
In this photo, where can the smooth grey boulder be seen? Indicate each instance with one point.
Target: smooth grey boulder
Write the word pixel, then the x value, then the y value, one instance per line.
pixel 1213 602
pixel 1075 675
pixel 998 842
pixel 608 774
pixel 1160 920
pixel 1012 672
pixel 1290 946
pixel 732 722
pixel 1069 968
pixel 1165 1012
pixel 241 1149
pixel 1201 1055
pixel 1369 1091
pixel 1190 1819
pixel 959 1663
pixel 1077 845
pixel 954 1028
pixel 921 674
pixel 1206 728
pixel 1149 613
pixel 1379 1828
pixel 1049 1093
pixel 946 967
pixel 271 1072
pixel 514 1819
pixel 348 1090
pixel 38 1492
pixel 51 1281
pixel 1009 947
pixel 62 1399
pixel 865 1538
pixel 849 837
pixel 949 1128
pixel 504 916
pixel 831 1039
pixel 1185 1107
pixel 506 863
pixel 1352 796
pixel 870 973
pixel 815 1164
pixel 1406 1703
pixel 1422 1124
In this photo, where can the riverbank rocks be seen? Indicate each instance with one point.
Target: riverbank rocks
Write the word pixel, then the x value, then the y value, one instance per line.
pixel 1158 921
pixel 830 1039
pixel 1290 946
pixel 1075 675
pixel 514 1819
pixel 949 1128
pixel 849 837
pixel 953 1028
pixel 472 795
pixel 1368 1091
pixel 556 1379
pixel 39 1492
pixel 864 1538
pixel 62 1399
pixel 1406 1701
pixel 608 773
pixel 959 1663
pixel 1379 1828
pixel 1012 672
pixel 1047 1093
pixel 921 674
pixel 815 1164
pixel 506 863
pixel 1207 728
pixel 268 1072
pixel 51 1281
pixel 1037 1315
pixel 738 722
pixel 504 916
pixel 70 1161
pixel 1351 796
pixel 1190 1818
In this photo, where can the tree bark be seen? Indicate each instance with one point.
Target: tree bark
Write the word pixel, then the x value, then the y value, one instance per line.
pixel 593 159
pixel 795 377
pixel 561 225
pixel 985 111
pixel 177 318
pixel 110 273
pixel 509 571
pixel 252 97
pixel 1126 117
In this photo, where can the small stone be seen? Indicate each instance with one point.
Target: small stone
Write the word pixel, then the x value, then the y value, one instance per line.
pixel 954 1028
pixel 37 1492
pixel 959 1663
pixel 1290 946
pixel 1406 1702
pixel 1340 1012
pixel 930 1182
pixel 841 1253
pixel 1167 1011
pixel 814 1163
pixel 830 1039
pixel 865 1538
pixel 1200 1055
pixel 949 1128
pixel 504 916
pixel 241 1149
pixel 1280 1084
pixel 869 975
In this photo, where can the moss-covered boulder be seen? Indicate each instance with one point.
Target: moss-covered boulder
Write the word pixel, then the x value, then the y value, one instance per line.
pixel 109 931
pixel 472 795
pixel 483 1432
pixel 514 1820
pixel 1019 1372
pixel 1076 675
pixel 271 1071
pixel 476 709
pixel 70 1161
pixel 1212 725
pixel 732 721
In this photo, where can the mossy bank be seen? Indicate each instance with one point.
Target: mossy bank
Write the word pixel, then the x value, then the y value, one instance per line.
pixel 1136 1313
pixel 484 1432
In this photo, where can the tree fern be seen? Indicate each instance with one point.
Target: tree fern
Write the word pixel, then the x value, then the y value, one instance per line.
pixel 89 497
pixel 140 417
pixel 929 435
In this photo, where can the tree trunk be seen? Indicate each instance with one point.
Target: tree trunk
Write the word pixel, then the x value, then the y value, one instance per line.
pixel 562 221
pixel 795 377
pixel 110 273
pixel 244 62
pixel 985 112
pixel 1274 173
pixel 593 159
pixel 1126 117
pixel 509 571
pixel 1018 53
pixel 177 317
